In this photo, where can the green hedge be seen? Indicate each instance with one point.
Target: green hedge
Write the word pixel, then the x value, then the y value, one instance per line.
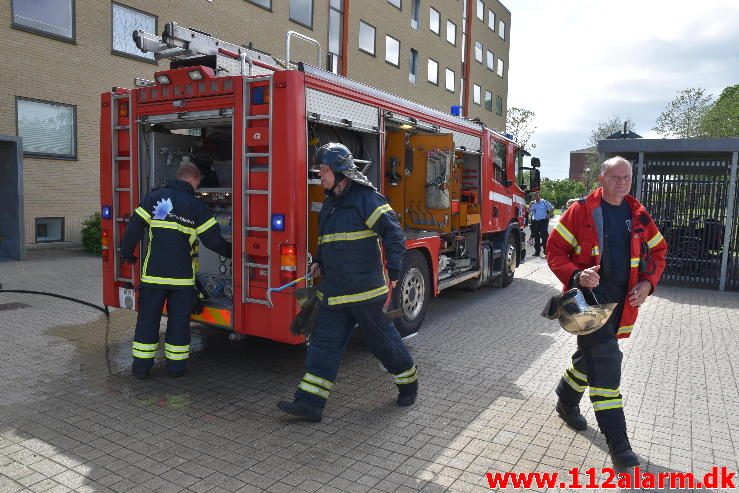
pixel 91 232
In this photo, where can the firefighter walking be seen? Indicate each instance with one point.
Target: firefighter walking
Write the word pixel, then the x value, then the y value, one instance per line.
pixel 176 219
pixel 607 243
pixel 353 288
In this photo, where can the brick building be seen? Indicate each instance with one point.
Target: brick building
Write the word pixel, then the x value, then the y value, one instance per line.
pixel 579 161
pixel 59 55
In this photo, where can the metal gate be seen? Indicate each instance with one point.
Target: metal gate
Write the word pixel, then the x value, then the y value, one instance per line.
pixel 688 201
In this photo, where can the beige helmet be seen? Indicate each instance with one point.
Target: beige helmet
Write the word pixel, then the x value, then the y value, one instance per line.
pixel 578 311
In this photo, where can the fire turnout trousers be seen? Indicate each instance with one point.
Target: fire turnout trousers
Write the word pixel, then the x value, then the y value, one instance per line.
pixel 597 364
pixel 328 342
pixel 177 337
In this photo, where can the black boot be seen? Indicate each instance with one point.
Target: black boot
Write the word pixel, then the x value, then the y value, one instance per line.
pixel 301 409
pixel 620 449
pixel 407 393
pixel 571 415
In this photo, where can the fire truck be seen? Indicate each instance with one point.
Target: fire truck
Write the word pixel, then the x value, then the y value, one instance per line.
pixel 252 123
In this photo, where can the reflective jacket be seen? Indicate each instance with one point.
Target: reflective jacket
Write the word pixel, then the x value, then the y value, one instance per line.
pixel 578 243
pixel 176 218
pixel 350 227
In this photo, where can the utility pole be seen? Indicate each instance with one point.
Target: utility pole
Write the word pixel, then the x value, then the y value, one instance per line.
pixel 587 180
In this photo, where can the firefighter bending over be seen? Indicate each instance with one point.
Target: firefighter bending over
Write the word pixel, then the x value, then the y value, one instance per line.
pixel 353 289
pixel 608 243
pixel 176 218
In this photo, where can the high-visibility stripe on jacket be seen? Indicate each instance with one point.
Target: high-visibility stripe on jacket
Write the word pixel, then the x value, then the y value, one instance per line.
pixel 176 219
pixel 350 227
pixel 577 242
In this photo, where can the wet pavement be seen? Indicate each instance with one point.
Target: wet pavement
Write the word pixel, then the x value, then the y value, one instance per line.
pixel 73 419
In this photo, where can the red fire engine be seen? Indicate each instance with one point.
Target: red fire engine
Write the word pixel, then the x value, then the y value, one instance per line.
pixel 252 124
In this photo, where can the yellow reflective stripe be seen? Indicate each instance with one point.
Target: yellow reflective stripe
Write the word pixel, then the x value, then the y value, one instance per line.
pixel 406 373
pixel 655 239
pixel 595 251
pixel 206 225
pixel 143 354
pixel 319 295
pixel 312 389
pixel 145 347
pixel 156 223
pixel 143 214
pixel 635 262
pixel 578 250
pixel 354 235
pixel 168 280
pixel 604 392
pixel 352 298
pixel 176 356
pixel 310 378
pixel 565 233
pixel 406 380
pixel 572 383
pixel 626 329
pixel 609 404
pixel 579 375
pixel 376 214
pixel 177 349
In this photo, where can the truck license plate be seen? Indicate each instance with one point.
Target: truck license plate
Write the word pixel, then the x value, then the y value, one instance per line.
pixel 127 298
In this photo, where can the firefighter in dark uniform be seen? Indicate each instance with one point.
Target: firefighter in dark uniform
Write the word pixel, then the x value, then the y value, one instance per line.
pixel 353 288
pixel 176 219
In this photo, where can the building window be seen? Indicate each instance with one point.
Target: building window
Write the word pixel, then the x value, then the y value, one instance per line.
pixel 53 18
pixel 392 51
pixel 488 100
pixel 500 67
pixel 501 29
pixel 476 94
pixel 478 51
pixel 451 32
pixel 434 20
pixel 413 66
pixel 48 129
pixel 416 14
pixel 491 20
pixel 366 38
pixel 450 80
pixel 481 10
pixel 49 229
pixel 125 21
pixel 266 4
pixel 433 69
pixel 335 21
pixel 491 60
pixel 396 3
pixel 498 105
pixel 301 11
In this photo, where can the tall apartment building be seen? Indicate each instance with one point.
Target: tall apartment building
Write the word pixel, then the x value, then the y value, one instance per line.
pixel 59 55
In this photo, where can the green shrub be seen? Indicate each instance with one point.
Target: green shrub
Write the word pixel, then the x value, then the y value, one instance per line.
pixel 91 232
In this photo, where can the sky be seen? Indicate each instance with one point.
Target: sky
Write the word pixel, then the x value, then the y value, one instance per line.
pixel 576 63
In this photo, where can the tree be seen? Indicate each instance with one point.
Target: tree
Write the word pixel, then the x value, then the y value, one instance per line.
pixel 722 118
pixel 683 115
pixel 520 123
pixel 558 192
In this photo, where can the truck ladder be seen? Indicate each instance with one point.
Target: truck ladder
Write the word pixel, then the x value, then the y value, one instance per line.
pixel 118 190
pixel 249 192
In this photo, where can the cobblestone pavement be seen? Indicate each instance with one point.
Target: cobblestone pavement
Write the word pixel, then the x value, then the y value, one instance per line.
pixel 73 419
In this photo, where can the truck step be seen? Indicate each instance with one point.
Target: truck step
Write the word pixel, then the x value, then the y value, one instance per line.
pixel 451 281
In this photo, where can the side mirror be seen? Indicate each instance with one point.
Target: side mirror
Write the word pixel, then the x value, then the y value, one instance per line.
pixel 534 180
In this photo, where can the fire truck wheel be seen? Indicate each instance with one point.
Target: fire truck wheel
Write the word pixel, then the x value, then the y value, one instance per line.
pixel 509 262
pixel 412 293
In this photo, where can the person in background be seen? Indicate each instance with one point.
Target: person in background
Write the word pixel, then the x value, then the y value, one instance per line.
pixel 540 211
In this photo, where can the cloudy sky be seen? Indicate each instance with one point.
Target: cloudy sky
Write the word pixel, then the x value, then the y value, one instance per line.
pixel 576 63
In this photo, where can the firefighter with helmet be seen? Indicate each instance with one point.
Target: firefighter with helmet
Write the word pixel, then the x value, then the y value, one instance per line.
pixel 353 288
pixel 175 218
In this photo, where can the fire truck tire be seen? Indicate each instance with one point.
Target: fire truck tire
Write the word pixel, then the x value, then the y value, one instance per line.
pixel 510 257
pixel 412 293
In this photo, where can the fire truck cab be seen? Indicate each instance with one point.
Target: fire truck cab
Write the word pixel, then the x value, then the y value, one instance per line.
pixel 252 124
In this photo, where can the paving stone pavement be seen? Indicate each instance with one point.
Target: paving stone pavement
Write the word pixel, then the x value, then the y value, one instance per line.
pixel 73 419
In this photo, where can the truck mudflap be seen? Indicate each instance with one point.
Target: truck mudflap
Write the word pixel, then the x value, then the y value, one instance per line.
pixel 218 317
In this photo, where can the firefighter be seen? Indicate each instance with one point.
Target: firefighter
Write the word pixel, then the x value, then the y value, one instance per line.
pixel 608 243
pixel 353 289
pixel 175 218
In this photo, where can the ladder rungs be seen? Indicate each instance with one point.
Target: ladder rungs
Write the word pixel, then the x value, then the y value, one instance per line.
pixel 122 127
pixel 258 117
pixel 122 189
pixel 257 154
pixel 124 279
pixel 122 219
pixel 257 300
pixel 258 266
pixel 256 192
pixel 122 158
pixel 256 228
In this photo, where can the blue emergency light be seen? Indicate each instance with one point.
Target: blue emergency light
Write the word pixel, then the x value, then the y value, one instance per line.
pixel 278 222
pixel 105 212
pixel 456 110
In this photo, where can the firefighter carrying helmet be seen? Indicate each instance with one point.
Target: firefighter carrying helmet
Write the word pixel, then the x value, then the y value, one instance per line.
pixel 578 311
pixel 339 158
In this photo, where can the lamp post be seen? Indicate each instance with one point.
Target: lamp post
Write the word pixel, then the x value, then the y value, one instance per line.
pixel 587 180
